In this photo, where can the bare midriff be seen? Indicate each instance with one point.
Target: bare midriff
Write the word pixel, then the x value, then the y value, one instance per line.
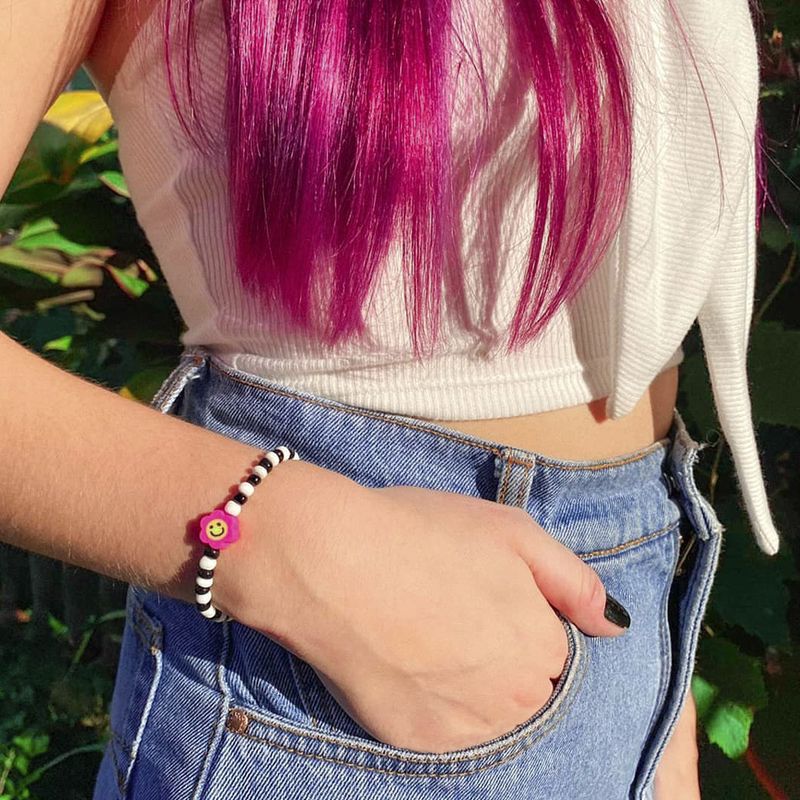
pixel 584 432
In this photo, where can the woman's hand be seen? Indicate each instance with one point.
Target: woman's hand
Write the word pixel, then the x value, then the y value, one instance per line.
pixel 426 614
pixel 676 775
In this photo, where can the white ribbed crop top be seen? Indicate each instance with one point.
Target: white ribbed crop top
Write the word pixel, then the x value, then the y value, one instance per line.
pixel 686 249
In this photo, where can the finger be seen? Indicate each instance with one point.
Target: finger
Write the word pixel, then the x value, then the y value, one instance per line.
pixel 572 586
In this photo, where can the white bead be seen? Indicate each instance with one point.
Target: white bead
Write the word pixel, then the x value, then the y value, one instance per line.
pixel 246 488
pixel 260 471
pixel 295 456
pixel 204 582
pixel 272 458
pixel 209 612
pixel 206 562
pixel 202 598
pixel 232 508
pixel 285 450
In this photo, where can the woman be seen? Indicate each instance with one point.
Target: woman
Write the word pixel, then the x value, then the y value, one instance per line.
pixel 486 573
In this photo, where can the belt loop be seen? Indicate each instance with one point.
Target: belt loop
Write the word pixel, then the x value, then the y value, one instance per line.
pixel 683 460
pixel 192 361
pixel 515 470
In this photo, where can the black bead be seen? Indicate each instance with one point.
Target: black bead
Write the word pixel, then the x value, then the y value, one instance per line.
pixel 254 479
pixel 279 454
pixel 265 463
pixel 240 498
pixel 205 573
pixel 211 552
pixel 203 606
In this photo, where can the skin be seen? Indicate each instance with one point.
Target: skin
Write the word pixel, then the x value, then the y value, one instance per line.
pixel 115 460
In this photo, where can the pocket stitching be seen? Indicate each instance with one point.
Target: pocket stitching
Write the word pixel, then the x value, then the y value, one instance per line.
pixel 632 543
pixel 521 740
pixel 149 631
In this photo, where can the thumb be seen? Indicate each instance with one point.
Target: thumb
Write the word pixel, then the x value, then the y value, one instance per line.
pixel 572 586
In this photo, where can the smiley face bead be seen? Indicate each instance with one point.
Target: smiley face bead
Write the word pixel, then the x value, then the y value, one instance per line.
pixel 219 529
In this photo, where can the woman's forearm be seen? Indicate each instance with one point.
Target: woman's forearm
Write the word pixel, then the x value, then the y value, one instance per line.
pixel 92 478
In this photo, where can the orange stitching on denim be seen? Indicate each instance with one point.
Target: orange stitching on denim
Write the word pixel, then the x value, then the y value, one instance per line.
pixel 627 545
pixel 562 699
pixel 522 484
pixel 515 748
pixel 501 497
pixel 612 462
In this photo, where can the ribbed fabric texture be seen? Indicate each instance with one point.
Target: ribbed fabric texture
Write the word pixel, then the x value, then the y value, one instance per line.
pixel 686 249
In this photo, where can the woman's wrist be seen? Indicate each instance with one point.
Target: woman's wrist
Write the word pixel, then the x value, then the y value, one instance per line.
pixel 125 486
pixel 252 580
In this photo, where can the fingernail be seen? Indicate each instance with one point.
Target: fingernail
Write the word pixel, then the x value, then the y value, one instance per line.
pixel 615 612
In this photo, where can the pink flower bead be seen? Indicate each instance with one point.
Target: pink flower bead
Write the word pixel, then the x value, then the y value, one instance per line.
pixel 219 530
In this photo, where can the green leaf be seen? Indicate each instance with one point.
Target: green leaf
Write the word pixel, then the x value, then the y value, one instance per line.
pixel 100 150
pixel 774 234
pixel 12 215
pixel 48 266
pixel 728 688
pixel 728 726
pixel 44 234
pixel 735 676
pixel 132 285
pixel 774 355
pixel 704 694
pixel 116 182
pixel 698 402
pixel 82 274
pixel 750 588
pixel 144 384
pixel 63 343
pixel 57 626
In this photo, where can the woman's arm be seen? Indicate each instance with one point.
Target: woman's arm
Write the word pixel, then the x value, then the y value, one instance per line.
pixel 89 477
pixel 42 43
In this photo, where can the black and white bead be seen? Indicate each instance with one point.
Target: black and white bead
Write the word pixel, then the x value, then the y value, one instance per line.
pixel 265 465
pixel 203 583
pixel 204 579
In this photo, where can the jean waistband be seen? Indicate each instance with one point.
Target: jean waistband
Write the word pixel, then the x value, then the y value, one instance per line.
pixel 590 505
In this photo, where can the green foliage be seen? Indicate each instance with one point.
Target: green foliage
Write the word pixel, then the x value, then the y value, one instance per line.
pixel 747 681
pixel 76 272
pixel 78 284
pixel 54 696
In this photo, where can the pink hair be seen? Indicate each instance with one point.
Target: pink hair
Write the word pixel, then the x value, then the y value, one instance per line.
pixel 338 141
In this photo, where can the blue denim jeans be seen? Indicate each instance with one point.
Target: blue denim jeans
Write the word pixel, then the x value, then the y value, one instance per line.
pixel 206 711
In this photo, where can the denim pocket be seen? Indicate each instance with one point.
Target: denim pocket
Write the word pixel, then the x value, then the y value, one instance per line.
pixel 331 735
pixel 138 676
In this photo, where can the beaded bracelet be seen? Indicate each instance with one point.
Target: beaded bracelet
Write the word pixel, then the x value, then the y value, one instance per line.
pixel 220 529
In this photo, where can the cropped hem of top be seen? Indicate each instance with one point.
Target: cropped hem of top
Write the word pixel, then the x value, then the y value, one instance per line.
pixel 685 251
pixel 449 387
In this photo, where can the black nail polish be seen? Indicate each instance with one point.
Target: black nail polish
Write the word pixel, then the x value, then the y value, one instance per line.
pixel 615 612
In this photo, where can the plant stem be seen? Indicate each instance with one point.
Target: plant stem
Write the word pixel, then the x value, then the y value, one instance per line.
pixel 782 281
pixel 763 777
